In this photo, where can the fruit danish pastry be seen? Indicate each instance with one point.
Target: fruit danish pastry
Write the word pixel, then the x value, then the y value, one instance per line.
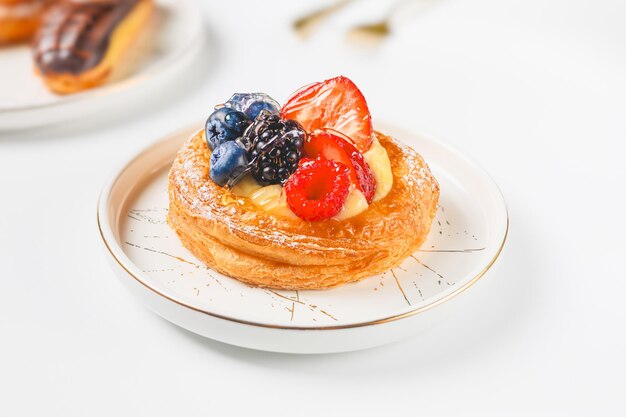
pixel 19 19
pixel 303 196
pixel 80 42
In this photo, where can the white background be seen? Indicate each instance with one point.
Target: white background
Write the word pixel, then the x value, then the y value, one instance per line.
pixel 535 91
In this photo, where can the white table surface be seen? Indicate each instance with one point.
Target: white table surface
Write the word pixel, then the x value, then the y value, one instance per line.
pixel 533 90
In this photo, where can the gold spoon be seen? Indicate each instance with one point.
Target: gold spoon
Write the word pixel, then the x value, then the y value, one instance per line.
pixel 379 30
pixel 306 24
pixel 376 30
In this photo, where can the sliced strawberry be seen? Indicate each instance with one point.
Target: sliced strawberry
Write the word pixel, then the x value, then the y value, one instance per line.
pixel 329 144
pixel 335 104
pixel 318 189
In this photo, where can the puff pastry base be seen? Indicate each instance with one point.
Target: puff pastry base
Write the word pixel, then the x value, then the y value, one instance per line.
pixel 231 235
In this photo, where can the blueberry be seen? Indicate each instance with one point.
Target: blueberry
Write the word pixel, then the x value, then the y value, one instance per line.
pixel 225 124
pixel 252 103
pixel 255 108
pixel 227 162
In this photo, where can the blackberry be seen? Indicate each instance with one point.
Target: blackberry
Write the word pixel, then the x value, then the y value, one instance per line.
pixel 274 147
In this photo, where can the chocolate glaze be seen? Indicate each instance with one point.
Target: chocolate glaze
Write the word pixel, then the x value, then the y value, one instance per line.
pixel 74 34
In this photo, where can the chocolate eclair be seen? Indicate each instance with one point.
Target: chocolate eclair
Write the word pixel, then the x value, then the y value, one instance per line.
pixel 79 42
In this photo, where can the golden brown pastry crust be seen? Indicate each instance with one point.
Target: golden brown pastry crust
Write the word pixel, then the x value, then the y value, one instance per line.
pixel 238 239
pixel 19 19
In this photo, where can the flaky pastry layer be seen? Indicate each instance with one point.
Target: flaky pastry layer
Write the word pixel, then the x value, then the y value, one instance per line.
pixel 233 236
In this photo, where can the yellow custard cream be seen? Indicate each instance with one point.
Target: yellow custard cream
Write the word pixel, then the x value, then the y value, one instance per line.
pixel 272 197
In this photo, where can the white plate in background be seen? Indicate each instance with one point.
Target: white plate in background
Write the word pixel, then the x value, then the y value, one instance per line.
pixel 172 39
pixel 467 236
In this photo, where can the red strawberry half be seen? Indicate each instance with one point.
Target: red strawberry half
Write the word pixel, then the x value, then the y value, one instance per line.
pixel 333 145
pixel 318 189
pixel 334 104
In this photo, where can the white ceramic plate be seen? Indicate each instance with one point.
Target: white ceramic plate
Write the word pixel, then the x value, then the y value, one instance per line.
pixel 168 45
pixel 466 238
